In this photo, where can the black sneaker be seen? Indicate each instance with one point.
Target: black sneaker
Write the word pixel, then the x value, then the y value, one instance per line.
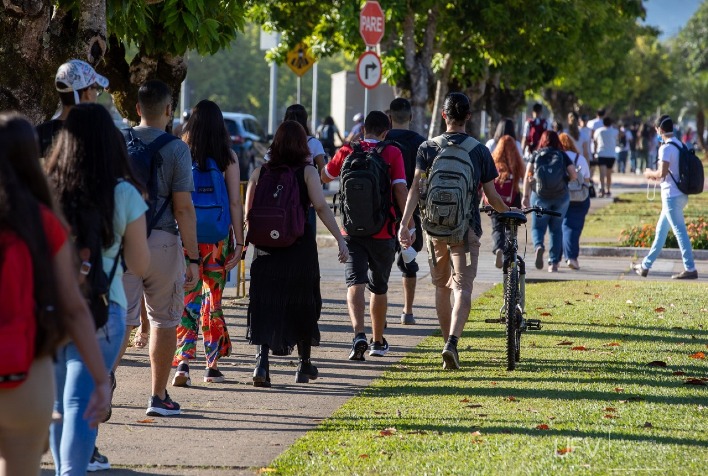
pixel 539 258
pixel 109 413
pixel 640 270
pixel 166 407
pixel 378 349
pixel 451 360
pixel 181 378
pixel 359 347
pixel 213 376
pixel 686 275
pixel 98 462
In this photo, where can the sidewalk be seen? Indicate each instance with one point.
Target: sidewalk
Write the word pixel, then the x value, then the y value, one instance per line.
pixel 233 428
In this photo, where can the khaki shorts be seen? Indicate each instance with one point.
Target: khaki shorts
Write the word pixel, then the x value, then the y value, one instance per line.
pixel 452 269
pixel 162 285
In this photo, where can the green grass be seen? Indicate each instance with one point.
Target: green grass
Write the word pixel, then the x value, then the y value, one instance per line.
pixel 603 227
pixel 616 413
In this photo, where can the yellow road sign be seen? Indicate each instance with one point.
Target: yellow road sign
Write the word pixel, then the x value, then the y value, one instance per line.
pixel 299 59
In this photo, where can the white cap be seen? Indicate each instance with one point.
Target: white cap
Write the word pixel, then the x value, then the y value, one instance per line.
pixel 77 75
pixel 358 117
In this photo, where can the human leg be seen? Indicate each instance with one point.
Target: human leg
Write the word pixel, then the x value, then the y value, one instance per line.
pixel 464 271
pixel 305 370
pixel 378 306
pixel 538 223
pixel 555 229
pixel 572 227
pixel 675 206
pixel 603 179
pixel 662 231
pixel 381 256
pixel 217 342
pixel 409 285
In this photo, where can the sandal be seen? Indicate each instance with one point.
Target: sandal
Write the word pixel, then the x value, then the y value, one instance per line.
pixel 140 339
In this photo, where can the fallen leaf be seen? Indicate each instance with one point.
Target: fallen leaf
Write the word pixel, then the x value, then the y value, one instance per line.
pixel 565 342
pixel 493 383
pixel 610 409
pixel 363 456
pixel 568 303
pixel 657 363
pixel 698 355
pixel 617 285
pixel 532 410
pixel 609 415
pixel 648 425
pixel 579 347
pixel 678 372
pixel 695 381
pixel 542 427
pixel 465 400
pixel 563 451
pixel 476 433
pixel 511 398
pixel 619 389
pixel 388 432
pixel 613 344
pixel 545 314
pixel 147 420
pixel 597 295
pixel 659 309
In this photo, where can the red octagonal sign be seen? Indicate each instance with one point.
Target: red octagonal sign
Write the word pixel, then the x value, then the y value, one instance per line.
pixel 371 23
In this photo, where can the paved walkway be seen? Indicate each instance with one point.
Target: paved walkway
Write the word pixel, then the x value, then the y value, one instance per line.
pixel 233 428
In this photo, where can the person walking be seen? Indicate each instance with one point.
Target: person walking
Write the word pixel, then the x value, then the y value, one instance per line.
pixel 574 219
pixel 163 282
pixel 455 264
pixel 37 268
pixel 357 132
pixel 606 139
pixel 208 142
pixel 510 167
pixel 506 127
pixel 285 300
pixel 580 134
pixel 673 201
pixel 533 128
pixel 326 133
pixel 370 256
pixel 408 142
pixel 546 186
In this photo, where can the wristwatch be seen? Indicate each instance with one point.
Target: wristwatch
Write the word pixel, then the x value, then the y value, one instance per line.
pixel 196 261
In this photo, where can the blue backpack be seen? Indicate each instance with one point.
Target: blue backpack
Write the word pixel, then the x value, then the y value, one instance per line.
pixel 211 202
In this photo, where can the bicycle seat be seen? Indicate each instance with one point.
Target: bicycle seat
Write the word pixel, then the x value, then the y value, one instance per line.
pixel 513 216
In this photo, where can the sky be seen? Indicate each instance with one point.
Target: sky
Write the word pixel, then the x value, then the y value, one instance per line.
pixel 670 15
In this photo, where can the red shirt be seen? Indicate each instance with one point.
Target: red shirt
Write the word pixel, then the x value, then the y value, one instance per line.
pixel 391 155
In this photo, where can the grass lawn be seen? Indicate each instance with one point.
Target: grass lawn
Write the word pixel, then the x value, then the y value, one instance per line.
pixel 583 400
pixel 603 227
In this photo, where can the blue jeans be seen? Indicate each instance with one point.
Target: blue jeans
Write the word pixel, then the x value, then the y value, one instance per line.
pixel 554 224
pixel 573 224
pixel 72 441
pixel 671 217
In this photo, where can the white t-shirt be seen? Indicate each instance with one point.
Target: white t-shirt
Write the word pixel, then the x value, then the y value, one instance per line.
pixel 669 153
pixel 606 141
pixel 491 145
pixel 595 124
pixel 582 166
pixel 584 138
pixel 315 148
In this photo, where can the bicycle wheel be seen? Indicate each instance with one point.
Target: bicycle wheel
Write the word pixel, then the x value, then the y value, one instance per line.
pixel 518 335
pixel 512 327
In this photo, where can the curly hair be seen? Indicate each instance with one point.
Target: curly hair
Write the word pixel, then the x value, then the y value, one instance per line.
pixel 507 160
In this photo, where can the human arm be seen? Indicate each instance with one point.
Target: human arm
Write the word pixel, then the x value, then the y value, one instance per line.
pixel 526 200
pixel 314 192
pixel 319 161
pixel 135 248
pixel 331 171
pixel 232 178
pixel 404 236
pixel 658 174
pixel 251 191
pixel 493 197
pixel 187 222
pixel 81 328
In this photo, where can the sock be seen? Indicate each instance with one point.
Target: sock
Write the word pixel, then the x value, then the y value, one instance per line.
pixel 452 340
pixel 360 334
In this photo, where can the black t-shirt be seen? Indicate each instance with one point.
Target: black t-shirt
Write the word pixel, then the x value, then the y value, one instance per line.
pixel 484 169
pixel 46 132
pixel 410 141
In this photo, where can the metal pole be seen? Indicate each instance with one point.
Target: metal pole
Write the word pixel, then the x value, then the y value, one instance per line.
pixel 273 100
pixel 299 85
pixel 314 99
pixel 366 101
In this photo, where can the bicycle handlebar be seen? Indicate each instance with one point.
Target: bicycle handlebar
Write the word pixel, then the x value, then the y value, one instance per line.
pixel 489 210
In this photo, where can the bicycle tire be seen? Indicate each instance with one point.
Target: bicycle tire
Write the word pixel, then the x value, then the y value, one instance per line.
pixel 517 356
pixel 512 327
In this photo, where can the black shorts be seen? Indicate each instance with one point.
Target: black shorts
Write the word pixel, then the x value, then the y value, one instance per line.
pixel 369 262
pixel 409 270
pixel 609 162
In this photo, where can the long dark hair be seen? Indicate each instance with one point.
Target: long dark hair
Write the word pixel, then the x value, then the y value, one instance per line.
pixel 206 135
pixel 86 162
pixel 549 139
pixel 289 145
pixel 23 189
pixel 504 128
pixel 297 113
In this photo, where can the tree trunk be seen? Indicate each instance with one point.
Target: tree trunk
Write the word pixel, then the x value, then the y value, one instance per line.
pixel 476 93
pixel 561 102
pixel 37 37
pixel 700 127
pixel 436 122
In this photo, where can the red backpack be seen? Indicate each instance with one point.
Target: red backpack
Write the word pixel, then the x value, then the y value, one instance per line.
pixel 18 325
pixel 536 128
pixel 276 218
pixel 506 190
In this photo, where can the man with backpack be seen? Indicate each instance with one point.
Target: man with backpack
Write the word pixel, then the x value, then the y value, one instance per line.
pixel 680 173
pixel 533 128
pixel 407 142
pixel 372 176
pixel 167 175
pixel 449 171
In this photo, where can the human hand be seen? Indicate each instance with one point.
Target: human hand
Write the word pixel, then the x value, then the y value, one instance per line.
pixel 526 202
pixel 404 237
pixel 233 258
pixel 97 408
pixel 343 254
pixel 191 276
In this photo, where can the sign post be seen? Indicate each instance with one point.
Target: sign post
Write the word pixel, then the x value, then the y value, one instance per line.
pixel 299 60
pixel 372 23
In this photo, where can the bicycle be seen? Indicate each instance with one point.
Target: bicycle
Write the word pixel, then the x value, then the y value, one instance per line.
pixel 513 311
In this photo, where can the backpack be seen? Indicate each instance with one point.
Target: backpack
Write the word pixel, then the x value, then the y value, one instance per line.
pixel 145 160
pixel 211 203
pixel 536 128
pixel 326 135
pixel 690 178
pixel 365 187
pixel 448 204
pixel 18 324
pixel 277 216
pixel 550 174
pixel 86 231
pixel 506 190
pixel 578 191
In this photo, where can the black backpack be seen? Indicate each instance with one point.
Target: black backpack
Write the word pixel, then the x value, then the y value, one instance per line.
pixel 365 191
pixel 145 161
pixel 691 178
pixel 550 174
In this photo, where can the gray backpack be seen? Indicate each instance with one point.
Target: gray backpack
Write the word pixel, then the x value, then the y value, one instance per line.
pixel 447 207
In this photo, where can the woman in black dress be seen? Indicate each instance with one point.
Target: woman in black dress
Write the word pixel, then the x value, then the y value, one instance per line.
pixel 285 301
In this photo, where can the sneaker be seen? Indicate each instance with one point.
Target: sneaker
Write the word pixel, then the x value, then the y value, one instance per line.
pixel 359 347
pixel 109 413
pixel 166 407
pixel 451 359
pixel 213 376
pixel 378 349
pixel 499 262
pixel 686 275
pixel 181 378
pixel 573 264
pixel 539 258
pixel 98 462
pixel 407 319
pixel 640 270
pixel 553 268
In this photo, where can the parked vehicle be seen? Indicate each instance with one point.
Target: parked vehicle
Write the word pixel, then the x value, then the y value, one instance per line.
pixel 248 140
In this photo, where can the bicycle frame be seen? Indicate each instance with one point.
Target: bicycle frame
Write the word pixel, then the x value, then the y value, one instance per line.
pixel 515 264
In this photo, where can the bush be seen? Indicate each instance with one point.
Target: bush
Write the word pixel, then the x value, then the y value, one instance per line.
pixel 643 236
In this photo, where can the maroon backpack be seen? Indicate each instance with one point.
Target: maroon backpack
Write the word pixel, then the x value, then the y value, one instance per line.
pixel 536 128
pixel 276 218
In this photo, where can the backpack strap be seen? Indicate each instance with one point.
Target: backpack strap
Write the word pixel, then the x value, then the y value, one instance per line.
pixel 679 149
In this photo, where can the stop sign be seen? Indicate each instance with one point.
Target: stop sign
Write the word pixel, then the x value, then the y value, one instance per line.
pixel 371 23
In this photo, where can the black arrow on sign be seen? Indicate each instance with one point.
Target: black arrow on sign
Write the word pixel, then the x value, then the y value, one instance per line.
pixel 367 68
